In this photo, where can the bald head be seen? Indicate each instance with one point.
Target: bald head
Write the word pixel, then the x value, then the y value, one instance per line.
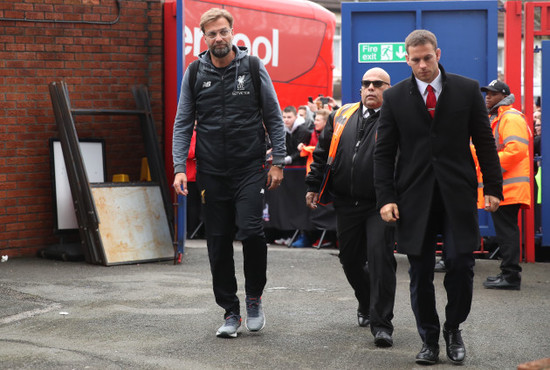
pixel 379 73
pixel 373 84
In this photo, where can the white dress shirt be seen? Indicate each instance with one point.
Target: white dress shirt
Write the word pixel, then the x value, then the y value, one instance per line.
pixel 437 85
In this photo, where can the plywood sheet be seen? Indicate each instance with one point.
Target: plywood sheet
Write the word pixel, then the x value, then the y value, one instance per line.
pixel 133 224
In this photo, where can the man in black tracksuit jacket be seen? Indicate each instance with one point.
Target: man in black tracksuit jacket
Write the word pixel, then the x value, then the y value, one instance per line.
pixel 366 242
pixel 232 121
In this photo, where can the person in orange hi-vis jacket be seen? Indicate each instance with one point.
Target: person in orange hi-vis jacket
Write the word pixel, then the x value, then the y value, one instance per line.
pixel 512 137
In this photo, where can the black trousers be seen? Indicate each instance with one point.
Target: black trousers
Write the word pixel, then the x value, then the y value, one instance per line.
pixel 194 208
pixel 458 280
pixel 505 220
pixel 366 246
pixel 233 210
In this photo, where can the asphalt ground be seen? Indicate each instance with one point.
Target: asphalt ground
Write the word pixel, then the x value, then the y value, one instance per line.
pixel 73 315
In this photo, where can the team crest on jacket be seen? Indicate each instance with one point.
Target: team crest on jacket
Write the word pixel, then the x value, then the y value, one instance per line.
pixel 240 83
pixel 240 86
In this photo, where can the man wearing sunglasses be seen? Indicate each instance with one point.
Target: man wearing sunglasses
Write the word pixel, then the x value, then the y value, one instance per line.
pixel 232 120
pixel 430 187
pixel 344 152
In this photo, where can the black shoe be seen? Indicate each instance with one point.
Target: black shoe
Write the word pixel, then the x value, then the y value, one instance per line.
pixel 493 278
pixel 383 339
pixel 455 346
pixel 440 266
pixel 362 319
pixel 502 283
pixel 428 355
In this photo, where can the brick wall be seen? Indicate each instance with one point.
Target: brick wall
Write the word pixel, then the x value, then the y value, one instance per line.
pixel 100 63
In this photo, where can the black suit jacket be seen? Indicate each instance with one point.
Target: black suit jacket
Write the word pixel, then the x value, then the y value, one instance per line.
pixel 435 150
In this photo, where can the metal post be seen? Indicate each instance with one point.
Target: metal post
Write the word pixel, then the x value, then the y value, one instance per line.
pixel 512 43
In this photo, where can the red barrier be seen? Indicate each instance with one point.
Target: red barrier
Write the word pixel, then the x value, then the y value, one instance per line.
pixel 512 42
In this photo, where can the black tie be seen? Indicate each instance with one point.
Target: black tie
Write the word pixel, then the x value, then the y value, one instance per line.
pixel 366 122
pixel 373 115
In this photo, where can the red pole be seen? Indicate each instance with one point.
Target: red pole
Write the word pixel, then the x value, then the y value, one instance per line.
pixel 512 76
pixel 170 83
pixel 512 43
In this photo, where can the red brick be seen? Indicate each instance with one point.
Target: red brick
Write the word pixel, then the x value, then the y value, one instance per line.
pixel 55 48
pixel 15 47
pixel 34 15
pixel 6 39
pixel 7 236
pixel 14 14
pixel 15 97
pixel 8 186
pixel 34 47
pixel 22 6
pixel 5 219
pixel 43 7
pixel 7 104
pixel 100 64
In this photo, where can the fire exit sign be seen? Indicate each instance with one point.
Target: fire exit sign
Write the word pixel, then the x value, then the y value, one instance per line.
pixel 381 52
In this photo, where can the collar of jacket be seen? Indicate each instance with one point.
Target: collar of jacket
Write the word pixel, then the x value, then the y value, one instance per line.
pixel 508 100
pixel 414 86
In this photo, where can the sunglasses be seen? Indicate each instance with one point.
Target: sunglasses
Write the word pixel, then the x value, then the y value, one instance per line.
pixel 376 84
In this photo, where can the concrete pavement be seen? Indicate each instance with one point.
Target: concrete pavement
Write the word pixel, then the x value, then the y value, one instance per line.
pixel 73 315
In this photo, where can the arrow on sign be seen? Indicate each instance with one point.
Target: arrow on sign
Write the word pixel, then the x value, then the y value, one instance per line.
pixel 381 52
pixel 401 53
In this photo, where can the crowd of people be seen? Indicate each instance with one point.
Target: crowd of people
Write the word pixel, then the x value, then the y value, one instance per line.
pixel 402 168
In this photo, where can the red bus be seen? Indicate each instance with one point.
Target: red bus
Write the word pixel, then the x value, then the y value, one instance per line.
pixel 293 38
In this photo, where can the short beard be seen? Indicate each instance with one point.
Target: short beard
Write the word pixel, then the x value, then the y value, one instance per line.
pixel 220 53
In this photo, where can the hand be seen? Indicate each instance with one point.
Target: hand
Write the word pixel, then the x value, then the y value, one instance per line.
pixel 180 183
pixel 269 154
pixel 311 199
pixel 312 106
pixel 390 212
pixel 301 146
pixel 331 102
pixel 491 203
pixel 274 177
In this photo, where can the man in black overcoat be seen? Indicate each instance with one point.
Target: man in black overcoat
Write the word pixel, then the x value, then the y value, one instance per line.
pixel 425 181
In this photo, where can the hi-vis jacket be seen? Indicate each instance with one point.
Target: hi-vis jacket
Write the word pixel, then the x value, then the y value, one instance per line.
pixel 512 137
pixel 343 160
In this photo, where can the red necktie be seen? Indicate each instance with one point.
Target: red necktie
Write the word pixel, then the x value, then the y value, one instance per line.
pixel 430 101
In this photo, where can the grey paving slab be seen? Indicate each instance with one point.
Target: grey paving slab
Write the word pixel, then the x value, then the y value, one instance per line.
pixel 73 315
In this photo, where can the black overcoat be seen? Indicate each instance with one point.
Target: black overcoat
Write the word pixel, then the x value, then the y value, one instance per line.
pixel 435 150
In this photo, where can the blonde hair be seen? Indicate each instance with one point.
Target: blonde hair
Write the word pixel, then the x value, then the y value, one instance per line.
pixel 214 14
pixel 323 112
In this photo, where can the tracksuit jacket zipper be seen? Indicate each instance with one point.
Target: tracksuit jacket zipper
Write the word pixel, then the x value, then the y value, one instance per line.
pixel 224 126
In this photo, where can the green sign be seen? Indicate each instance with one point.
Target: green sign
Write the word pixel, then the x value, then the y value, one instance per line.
pixel 381 52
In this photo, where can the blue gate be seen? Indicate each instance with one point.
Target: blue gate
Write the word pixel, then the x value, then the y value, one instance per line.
pixel 545 144
pixel 373 35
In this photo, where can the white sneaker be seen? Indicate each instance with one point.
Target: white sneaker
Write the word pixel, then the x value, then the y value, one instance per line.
pixel 282 241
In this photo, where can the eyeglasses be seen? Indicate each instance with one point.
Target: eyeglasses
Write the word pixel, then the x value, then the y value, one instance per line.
pixel 377 83
pixel 213 34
